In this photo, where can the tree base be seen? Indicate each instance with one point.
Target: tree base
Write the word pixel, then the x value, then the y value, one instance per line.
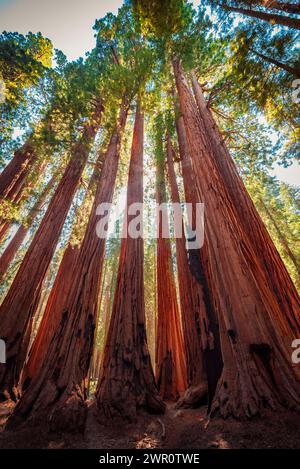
pixel 126 406
pixel 67 413
pixel 194 396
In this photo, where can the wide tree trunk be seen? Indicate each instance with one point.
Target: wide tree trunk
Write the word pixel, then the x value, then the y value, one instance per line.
pixel 272 18
pixel 193 311
pixel 276 275
pixel 257 369
pixel 57 393
pixel 127 381
pixel 13 176
pixel 170 357
pixel 18 238
pixel 292 70
pixel 198 265
pixel 21 301
pixel 58 299
pixel 281 237
pixel 281 6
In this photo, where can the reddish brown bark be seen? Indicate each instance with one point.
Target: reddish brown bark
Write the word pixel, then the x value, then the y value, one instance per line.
pixel 56 304
pixel 170 357
pixel 13 176
pixel 193 310
pixel 13 246
pixel 4 229
pixel 21 302
pixel 14 181
pixel 127 381
pixel 57 393
pixel 197 259
pixel 282 6
pixel 257 369
pixel 272 266
pixel 281 237
pixel 272 18
pixel 292 70
pixel 58 299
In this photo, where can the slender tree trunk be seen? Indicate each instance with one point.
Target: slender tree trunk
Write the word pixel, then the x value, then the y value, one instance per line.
pixel 281 237
pixel 21 301
pixel 170 357
pixel 272 266
pixel 193 310
pixel 57 393
pixel 22 231
pixel 257 369
pixel 292 70
pixel 272 18
pixel 198 264
pixel 127 381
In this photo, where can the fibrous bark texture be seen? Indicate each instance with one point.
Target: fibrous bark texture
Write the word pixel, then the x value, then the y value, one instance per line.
pixel 18 238
pixel 127 381
pixel 21 301
pixel 257 369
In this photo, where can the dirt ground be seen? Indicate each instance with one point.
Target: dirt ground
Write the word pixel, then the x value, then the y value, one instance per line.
pixel 176 429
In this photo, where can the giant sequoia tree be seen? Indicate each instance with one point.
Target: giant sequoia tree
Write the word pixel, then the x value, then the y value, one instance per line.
pixel 23 296
pixel 259 347
pixel 67 360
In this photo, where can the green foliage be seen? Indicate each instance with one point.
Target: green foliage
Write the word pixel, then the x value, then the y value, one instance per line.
pixel 249 95
pixel 278 204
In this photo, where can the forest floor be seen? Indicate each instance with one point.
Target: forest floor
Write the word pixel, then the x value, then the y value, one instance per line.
pixel 176 429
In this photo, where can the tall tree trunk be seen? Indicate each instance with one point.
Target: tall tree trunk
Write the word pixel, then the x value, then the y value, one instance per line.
pixel 18 238
pixel 272 18
pixel 272 266
pixel 56 305
pixel 170 357
pixel 193 310
pixel 57 393
pixel 58 299
pixel 281 237
pixel 257 369
pixel 198 264
pixel 127 381
pixel 21 301
pixel 16 186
